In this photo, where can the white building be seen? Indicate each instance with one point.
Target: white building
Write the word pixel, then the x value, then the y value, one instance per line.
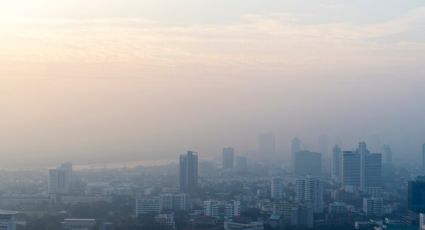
pixel 60 179
pixel 176 202
pixel 148 205
pixel 309 191
pixel 421 221
pixel 276 189
pixel 8 220
pixel 223 209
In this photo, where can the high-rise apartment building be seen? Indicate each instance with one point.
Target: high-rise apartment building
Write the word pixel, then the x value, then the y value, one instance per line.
pixel 188 172
pixel 60 179
pixel 276 188
pixel 309 191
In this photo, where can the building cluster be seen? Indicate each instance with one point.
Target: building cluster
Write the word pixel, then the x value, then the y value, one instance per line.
pixel 321 188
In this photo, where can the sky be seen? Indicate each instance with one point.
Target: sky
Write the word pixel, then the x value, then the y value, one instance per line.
pixel 107 80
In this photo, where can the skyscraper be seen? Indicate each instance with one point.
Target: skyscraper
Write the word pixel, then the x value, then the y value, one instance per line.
pixel 388 154
pixel 363 152
pixel 60 179
pixel 228 158
pixel 308 163
pixel 309 191
pixel 188 172
pixel 362 169
pixel 276 189
pixel 336 163
pixel 351 170
pixel 373 171
pixel 416 195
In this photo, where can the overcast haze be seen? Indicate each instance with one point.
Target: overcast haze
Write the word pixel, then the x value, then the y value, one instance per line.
pixel 149 79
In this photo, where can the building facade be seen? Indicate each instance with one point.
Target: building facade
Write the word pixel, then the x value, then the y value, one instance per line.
pixel 188 172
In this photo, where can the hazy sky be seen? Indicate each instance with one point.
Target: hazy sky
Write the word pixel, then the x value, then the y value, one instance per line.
pixel 99 80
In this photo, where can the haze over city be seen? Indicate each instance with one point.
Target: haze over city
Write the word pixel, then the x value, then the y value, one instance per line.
pixel 143 80
pixel 212 115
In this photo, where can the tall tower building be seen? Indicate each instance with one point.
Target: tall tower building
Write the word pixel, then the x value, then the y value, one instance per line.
pixel 416 195
pixel 336 163
pixel 228 158
pixel 362 170
pixel 188 172
pixel 60 179
pixel 388 154
pixel 351 170
pixel 363 152
pixel 373 172
pixel 276 188
pixel 309 191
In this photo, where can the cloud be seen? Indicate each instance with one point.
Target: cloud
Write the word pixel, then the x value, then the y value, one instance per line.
pixel 262 42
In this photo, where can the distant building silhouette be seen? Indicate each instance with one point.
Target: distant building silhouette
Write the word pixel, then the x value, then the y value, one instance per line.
pixel 336 163
pixel 241 164
pixel 388 154
pixel 188 172
pixel 416 195
pixel 60 179
pixel 295 147
pixel 228 158
pixel 308 163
